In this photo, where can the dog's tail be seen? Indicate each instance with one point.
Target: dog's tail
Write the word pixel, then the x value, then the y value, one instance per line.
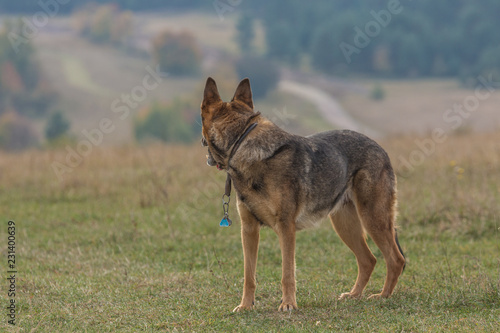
pixel 399 247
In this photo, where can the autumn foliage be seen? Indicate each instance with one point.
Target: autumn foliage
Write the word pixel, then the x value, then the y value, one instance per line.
pixel 24 94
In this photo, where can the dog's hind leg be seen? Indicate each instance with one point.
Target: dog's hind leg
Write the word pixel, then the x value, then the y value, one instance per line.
pixel 348 226
pixel 376 206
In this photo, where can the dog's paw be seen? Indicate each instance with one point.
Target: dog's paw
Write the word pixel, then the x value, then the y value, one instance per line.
pixel 349 295
pixel 377 296
pixel 288 306
pixel 243 307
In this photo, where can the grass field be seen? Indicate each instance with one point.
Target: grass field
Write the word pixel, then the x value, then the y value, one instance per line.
pixel 129 241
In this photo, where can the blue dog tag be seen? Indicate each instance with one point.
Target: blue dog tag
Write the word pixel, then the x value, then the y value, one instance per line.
pixel 226 222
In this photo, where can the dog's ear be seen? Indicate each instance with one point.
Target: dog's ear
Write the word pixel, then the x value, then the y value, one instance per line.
pixel 244 93
pixel 211 94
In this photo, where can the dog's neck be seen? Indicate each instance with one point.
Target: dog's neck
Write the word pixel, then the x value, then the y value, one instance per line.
pixel 249 126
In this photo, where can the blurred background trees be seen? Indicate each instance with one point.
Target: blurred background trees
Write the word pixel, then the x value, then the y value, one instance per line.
pixel 29 6
pixel 445 39
pixel 263 73
pixel 22 86
pixel 57 126
pixel 177 53
pixel 24 93
pixel 174 122
pixel 428 38
pixel 104 23
pixel 245 33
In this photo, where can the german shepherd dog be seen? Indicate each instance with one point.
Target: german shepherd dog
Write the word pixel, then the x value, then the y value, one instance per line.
pixel 289 183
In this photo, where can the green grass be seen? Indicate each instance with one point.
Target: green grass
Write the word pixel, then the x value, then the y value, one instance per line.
pixel 106 250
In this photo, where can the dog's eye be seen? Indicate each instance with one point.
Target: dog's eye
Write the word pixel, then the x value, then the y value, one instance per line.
pixel 204 142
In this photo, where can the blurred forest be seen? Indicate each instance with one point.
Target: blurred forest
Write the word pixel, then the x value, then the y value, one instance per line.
pixel 28 6
pixel 455 38
pixel 23 92
pixel 21 83
pixel 426 38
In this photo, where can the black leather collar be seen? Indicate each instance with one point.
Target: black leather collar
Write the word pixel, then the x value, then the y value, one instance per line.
pixel 241 138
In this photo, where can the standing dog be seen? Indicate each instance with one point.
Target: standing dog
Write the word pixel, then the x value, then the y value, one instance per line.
pixel 289 183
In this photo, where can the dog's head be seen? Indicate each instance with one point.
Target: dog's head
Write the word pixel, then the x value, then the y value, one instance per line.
pixel 221 120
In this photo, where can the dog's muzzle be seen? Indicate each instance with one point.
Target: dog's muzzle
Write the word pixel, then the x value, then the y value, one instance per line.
pixel 212 162
pixel 210 159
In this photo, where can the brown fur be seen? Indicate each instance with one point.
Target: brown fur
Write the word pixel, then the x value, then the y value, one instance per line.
pixel 288 183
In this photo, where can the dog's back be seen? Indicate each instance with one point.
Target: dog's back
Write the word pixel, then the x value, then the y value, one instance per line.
pixel 331 162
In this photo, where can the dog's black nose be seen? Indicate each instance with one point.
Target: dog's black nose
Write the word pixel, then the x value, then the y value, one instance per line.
pixel 210 160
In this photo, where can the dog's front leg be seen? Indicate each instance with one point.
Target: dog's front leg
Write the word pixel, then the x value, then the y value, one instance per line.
pixel 250 229
pixel 286 234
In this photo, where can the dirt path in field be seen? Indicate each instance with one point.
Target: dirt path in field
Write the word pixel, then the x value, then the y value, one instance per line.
pixel 327 105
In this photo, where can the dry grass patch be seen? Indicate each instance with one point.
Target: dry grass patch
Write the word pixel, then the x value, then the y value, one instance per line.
pixel 418 106
pixel 129 241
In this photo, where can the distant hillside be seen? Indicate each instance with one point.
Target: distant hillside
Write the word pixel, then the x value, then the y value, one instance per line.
pixel 391 38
